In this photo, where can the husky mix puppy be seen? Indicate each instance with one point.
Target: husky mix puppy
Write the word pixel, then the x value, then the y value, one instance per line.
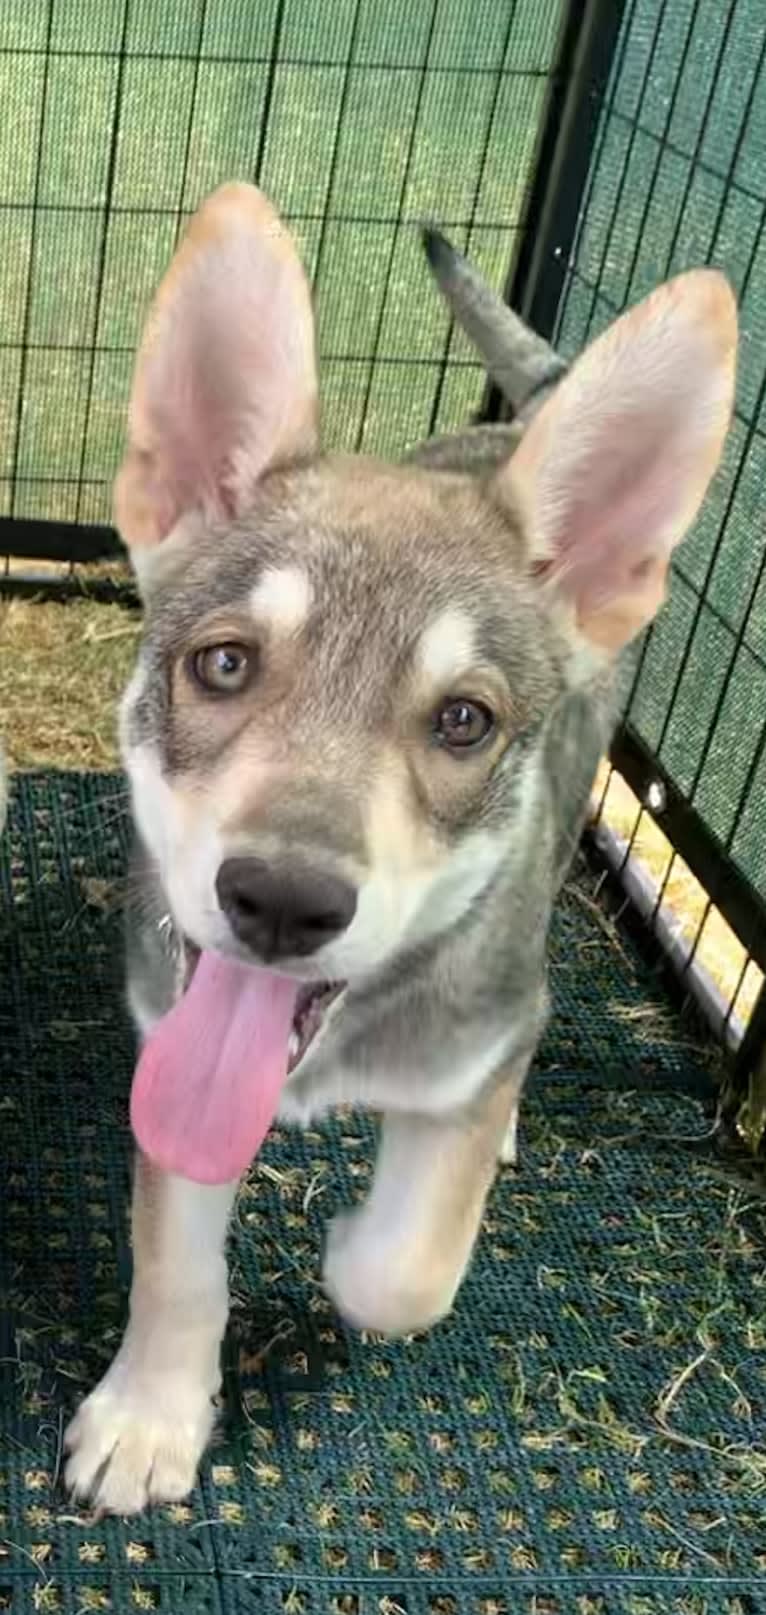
pixel 361 736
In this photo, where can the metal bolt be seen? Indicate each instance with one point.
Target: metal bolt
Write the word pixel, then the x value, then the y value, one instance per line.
pixel 656 797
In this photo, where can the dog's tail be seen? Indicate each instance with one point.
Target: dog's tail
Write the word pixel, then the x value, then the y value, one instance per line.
pixel 524 366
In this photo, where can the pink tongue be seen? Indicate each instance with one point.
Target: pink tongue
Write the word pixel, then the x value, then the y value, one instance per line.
pixel 208 1081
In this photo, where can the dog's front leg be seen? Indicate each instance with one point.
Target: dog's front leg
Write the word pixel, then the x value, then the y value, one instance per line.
pixel 395 1264
pixel 140 1435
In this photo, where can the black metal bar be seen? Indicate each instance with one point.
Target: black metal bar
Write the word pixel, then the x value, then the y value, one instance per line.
pixel 753 1045
pixel 337 137
pixel 599 148
pixel 29 290
pixel 486 145
pixel 317 63
pixel 700 604
pixel 659 23
pixel 190 120
pixel 628 916
pixel 405 180
pixel 713 558
pixel 701 164
pixel 424 361
pixel 102 255
pixel 739 902
pixel 742 801
pixel 564 172
pixel 699 139
pixel 587 45
pixel 274 63
pixel 143 210
pixel 30 539
pixel 63 586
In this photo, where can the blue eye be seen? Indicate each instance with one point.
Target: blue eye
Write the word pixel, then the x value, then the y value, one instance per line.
pixel 223 669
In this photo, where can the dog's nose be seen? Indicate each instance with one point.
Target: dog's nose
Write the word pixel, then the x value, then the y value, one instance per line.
pixel 281 913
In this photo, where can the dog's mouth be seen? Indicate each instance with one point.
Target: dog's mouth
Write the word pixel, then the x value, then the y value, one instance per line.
pixel 312 1006
pixel 208 1082
pixel 311 1010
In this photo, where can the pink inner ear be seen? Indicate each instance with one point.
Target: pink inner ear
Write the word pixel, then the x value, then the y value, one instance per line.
pixel 609 542
pixel 225 383
pixel 613 469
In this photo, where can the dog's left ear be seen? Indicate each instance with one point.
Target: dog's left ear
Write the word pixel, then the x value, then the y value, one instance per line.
pixel 612 471
pixel 225 385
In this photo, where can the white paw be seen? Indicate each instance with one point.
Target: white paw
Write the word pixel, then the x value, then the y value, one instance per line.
pixel 377 1287
pixel 133 1442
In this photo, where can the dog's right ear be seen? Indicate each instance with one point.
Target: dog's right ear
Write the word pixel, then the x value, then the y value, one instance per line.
pixel 613 469
pixel 225 385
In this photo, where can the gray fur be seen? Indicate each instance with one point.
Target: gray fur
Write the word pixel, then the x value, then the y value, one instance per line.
pixel 524 366
pixel 362 601
pixel 399 1035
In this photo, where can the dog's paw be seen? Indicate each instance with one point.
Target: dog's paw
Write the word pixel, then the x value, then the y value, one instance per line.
pixel 376 1288
pixel 132 1443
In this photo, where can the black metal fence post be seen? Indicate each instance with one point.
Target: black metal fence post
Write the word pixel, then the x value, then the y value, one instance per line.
pixel 593 43
pixel 588 42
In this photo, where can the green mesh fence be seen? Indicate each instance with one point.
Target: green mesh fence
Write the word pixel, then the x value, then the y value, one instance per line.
pixel 678 179
pixel 583 1437
pixel 358 118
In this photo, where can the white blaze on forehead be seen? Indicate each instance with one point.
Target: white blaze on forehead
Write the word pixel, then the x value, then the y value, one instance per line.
pixel 447 648
pixel 282 598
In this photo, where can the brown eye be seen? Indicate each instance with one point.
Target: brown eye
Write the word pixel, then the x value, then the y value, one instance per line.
pixel 223 669
pixel 462 724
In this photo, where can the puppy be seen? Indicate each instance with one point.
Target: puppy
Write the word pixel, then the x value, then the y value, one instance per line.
pixel 361 736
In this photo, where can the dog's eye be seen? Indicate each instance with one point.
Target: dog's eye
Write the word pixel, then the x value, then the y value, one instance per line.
pixel 222 669
pixel 462 724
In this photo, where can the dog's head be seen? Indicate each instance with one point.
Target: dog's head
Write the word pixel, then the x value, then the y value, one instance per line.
pixel 331 732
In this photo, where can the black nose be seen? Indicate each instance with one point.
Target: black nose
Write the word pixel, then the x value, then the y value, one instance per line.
pixel 281 913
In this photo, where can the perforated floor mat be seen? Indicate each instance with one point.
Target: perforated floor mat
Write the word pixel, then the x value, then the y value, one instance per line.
pixel 585 1434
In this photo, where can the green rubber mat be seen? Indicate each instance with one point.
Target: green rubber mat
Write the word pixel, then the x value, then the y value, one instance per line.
pixel 585 1434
